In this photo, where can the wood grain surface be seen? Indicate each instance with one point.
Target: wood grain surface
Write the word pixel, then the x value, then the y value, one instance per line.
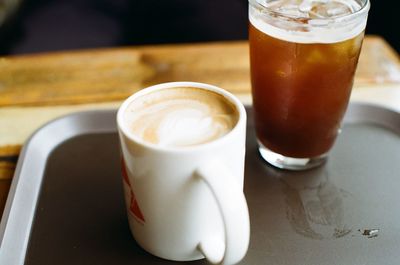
pixel 37 88
pixel 113 74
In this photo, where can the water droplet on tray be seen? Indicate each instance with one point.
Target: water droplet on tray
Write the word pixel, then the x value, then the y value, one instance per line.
pixel 370 233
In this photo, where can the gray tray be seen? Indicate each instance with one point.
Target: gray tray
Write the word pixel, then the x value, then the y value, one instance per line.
pixel 66 204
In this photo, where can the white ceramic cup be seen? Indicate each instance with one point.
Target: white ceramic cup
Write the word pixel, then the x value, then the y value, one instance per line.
pixel 187 203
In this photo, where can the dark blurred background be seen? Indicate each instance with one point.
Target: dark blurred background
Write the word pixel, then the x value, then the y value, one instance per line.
pixel 50 25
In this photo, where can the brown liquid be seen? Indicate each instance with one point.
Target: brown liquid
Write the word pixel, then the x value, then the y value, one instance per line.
pixel 300 91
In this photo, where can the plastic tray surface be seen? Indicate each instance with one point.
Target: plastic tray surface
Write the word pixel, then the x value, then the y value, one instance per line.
pixel 66 201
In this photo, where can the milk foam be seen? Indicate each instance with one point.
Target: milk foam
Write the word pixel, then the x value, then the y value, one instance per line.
pixel 316 32
pixel 180 117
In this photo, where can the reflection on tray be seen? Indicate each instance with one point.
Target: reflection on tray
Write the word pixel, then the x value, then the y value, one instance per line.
pixel 315 206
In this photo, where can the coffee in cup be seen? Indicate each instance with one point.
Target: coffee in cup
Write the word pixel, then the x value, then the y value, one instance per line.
pixel 180 116
pixel 183 150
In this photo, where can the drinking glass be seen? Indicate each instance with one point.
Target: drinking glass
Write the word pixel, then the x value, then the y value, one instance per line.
pixel 303 57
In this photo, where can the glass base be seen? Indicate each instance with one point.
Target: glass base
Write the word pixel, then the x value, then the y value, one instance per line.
pixel 291 163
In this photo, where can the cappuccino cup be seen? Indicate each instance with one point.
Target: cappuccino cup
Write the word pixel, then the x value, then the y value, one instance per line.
pixel 183 149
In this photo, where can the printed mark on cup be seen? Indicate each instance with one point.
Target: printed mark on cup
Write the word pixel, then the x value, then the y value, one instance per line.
pixel 134 208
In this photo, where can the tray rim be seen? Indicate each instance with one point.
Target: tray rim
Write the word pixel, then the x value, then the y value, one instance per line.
pixel 19 212
pixel 25 187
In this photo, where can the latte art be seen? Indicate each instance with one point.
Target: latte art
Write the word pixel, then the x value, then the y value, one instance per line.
pixel 181 117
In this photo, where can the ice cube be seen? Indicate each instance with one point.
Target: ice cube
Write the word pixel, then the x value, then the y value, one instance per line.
pixel 329 9
pixel 312 8
pixel 287 7
pixel 306 5
pixel 316 56
pixel 338 9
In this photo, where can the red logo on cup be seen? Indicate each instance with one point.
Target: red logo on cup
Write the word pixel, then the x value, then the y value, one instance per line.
pixel 134 206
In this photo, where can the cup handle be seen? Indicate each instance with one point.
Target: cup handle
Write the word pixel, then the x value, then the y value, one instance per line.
pixel 234 212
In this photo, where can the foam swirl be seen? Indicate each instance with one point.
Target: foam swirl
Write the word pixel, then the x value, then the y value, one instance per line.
pixel 183 117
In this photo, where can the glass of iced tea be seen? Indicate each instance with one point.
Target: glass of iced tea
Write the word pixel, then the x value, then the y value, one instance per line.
pixel 303 56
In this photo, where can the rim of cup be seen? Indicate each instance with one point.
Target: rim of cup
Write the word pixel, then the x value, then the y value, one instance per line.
pixel 279 14
pixel 227 95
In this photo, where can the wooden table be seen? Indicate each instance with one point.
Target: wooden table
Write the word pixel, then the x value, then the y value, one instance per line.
pixel 35 89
